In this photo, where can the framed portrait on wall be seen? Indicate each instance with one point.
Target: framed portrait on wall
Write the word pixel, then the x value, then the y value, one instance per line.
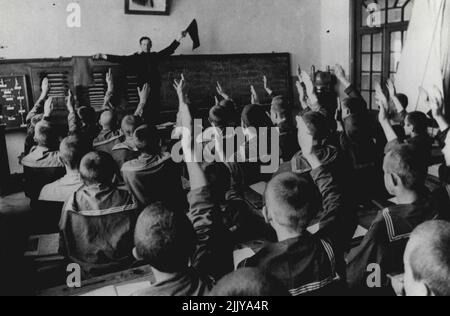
pixel 148 7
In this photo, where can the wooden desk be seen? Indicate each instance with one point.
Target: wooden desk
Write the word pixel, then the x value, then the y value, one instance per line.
pixel 137 275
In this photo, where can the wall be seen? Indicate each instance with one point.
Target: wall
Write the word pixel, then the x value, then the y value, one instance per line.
pixel 37 28
pixel 335 33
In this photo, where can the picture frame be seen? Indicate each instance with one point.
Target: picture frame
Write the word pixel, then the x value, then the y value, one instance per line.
pixel 148 7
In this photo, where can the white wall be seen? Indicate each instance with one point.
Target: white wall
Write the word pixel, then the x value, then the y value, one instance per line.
pixel 335 33
pixel 37 28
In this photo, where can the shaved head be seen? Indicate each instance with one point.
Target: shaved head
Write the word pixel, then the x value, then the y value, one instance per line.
pixel 129 124
pixel 427 260
pixel 164 238
pixel 289 199
pixel 107 120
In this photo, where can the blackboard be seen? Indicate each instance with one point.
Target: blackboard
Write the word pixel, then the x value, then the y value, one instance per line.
pixel 14 104
pixel 236 73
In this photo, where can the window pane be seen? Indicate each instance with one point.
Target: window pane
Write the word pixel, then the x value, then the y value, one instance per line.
pixel 395 60
pixel 376 79
pixel 366 44
pixel 365 62
pixel 394 15
pixel 378 42
pixel 365 81
pixel 396 42
pixel 377 62
pixel 366 96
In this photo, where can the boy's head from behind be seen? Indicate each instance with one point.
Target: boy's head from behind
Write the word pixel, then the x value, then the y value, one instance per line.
pixel 416 123
pixel 317 125
pixel 404 101
pixel 255 116
pixel 404 170
pixel 97 168
pixel 280 110
pixel 289 201
pixel 108 120
pixel 87 115
pixel 72 150
pixel 352 106
pixel 218 176
pixel 249 282
pixel 427 260
pixel 146 139
pixel 165 239
pixel 45 136
pixel 221 117
pixel 129 125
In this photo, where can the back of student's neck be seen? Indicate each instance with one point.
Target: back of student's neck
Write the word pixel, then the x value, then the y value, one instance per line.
pixel 162 276
pixel 70 171
pixel 407 197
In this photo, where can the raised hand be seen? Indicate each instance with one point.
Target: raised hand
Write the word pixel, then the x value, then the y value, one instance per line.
pixel 221 92
pixel 254 95
pixel 182 36
pixel 306 143
pixel 110 80
pixel 436 102
pixel 45 86
pixel 216 100
pixel 382 103
pixel 340 72
pixel 307 81
pixel 184 118
pixel 266 86
pixel 70 101
pixel 144 93
pixel 48 107
pixel 391 88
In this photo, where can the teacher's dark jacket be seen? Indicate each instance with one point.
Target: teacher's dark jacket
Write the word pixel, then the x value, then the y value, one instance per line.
pixel 145 65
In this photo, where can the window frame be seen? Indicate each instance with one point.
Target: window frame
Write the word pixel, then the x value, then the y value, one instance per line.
pixel 358 31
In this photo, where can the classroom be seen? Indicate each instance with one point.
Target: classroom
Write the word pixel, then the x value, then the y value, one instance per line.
pixel 225 148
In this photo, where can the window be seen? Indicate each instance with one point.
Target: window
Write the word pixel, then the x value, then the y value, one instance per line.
pixel 381 29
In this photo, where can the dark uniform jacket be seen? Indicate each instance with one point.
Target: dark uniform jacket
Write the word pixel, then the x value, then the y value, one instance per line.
pixel 309 265
pixel 145 66
pixel 336 173
pixel 41 167
pixel 97 229
pixel 153 179
pixel 386 241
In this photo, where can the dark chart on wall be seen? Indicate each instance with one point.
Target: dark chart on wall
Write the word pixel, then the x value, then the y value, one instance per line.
pixel 13 102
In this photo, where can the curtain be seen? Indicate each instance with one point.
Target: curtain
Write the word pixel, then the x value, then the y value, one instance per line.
pixel 426 53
